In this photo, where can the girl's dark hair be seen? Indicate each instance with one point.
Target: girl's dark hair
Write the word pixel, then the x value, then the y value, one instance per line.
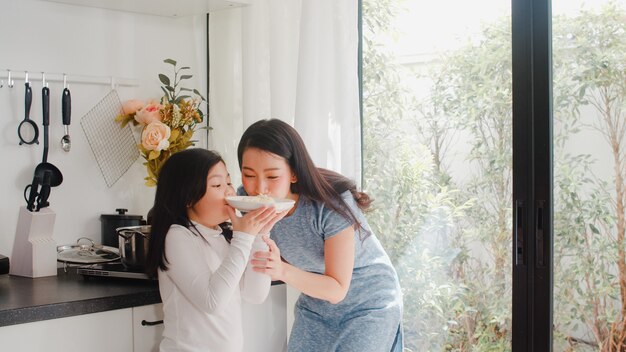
pixel 182 183
pixel 278 137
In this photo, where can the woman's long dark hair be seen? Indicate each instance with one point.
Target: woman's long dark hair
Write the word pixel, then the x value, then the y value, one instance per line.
pixel 278 137
pixel 182 183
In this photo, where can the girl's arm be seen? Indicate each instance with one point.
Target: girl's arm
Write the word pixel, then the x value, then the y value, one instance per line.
pixel 210 291
pixel 255 286
pixel 331 286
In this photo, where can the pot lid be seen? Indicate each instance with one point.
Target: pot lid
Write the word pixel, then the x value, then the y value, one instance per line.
pixel 86 253
pixel 121 215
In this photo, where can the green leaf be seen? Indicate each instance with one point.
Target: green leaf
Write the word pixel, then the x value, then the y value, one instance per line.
pixel 170 61
pixel 164 79
pixel 154 154
pixel 184 68
pixel 594 229
pixel 165 91
pixel 185 90
pixel 185 77
pixel 180 98
pixel 174 135
pixel 198 94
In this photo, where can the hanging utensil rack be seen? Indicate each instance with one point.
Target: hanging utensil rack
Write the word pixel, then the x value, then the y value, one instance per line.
pixel 9 76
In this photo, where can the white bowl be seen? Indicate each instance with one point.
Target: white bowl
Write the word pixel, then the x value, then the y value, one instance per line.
pixel 248 203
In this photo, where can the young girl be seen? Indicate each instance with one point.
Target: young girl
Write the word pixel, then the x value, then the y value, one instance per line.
pixel 351 298
pixel 199 272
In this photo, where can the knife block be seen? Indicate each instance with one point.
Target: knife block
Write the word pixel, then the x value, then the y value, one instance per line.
pixel 34 250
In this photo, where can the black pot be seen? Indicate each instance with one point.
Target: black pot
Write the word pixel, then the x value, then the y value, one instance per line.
pixel 110 222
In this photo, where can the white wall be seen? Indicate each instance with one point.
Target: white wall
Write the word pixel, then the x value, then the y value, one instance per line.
pixel 40 36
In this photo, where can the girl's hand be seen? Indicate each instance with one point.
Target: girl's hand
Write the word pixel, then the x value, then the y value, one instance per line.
pixel 269 263
pixel 253 222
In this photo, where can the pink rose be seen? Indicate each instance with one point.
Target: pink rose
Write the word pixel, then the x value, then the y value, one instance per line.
pixel 155 136
pixel 132 106
pixel 149 114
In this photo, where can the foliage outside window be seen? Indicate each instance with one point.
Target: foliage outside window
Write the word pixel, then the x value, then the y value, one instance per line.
pixel 450 236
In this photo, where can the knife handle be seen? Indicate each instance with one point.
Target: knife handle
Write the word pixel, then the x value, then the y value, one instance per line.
pixel 45 103
pixel 42 199
pixel 28 99
pixel 66 106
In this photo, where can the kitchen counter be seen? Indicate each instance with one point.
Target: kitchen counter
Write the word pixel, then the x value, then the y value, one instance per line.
pixel 24 300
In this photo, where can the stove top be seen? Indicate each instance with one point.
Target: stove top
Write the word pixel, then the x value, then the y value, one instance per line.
pixel 113 269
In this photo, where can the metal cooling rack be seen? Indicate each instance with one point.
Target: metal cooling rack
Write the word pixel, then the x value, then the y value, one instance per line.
pixel 114 148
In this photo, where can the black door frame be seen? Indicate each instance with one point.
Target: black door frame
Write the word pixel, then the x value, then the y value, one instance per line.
pixel 532 176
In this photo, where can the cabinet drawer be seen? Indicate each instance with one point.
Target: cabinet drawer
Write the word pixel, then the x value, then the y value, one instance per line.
pixel 97 332
pixel 147 327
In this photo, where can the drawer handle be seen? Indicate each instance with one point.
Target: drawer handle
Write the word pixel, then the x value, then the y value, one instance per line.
pixel 150 323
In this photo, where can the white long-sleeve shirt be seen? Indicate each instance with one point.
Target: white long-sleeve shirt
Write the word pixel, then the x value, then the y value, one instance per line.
pixel 203 287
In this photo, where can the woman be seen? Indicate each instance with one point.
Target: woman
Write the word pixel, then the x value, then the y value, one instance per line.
pixel 351 298
pixel 201 275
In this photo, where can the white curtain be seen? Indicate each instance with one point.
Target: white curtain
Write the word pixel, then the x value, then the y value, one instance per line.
pixel 292 60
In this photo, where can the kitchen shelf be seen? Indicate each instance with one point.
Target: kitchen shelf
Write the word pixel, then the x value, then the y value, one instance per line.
pixel 168 8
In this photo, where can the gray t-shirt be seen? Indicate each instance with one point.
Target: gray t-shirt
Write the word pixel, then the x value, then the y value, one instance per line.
pixel 300 238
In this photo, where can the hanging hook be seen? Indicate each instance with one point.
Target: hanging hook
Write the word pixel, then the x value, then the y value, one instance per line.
pixel 10 82
pixel 112 83
pixel 43 80
pixel 25 77
pixel 65 81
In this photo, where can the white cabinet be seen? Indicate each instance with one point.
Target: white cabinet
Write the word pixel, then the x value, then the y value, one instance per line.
pixel 115 330
pixel 139 329
pixel 97 332
pixel 265 325
pixel 147 328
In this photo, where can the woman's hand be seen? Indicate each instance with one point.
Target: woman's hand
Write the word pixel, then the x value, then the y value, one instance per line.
pixel 269 262
pixel 253 222
pixel 268 227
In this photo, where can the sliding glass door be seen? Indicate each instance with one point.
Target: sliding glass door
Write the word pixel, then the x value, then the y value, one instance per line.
pixel 494 145
pixel 437 148
pixel 589 60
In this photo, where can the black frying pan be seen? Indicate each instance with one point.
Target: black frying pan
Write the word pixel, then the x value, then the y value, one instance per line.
pixel 27 130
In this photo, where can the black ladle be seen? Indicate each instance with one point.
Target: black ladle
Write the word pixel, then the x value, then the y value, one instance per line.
pixel 27 129
pixel 56 177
